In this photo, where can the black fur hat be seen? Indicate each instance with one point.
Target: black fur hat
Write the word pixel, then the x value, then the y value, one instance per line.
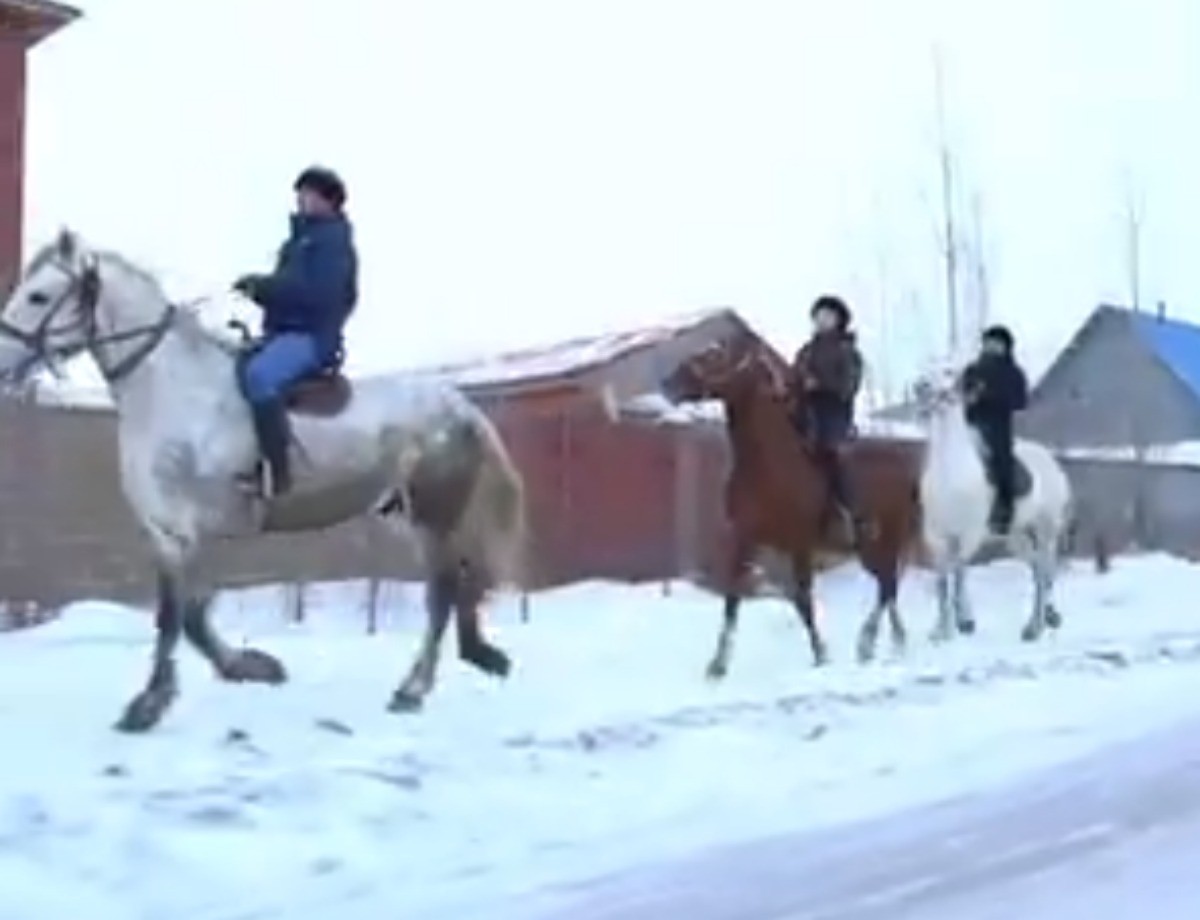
pixel 835 304
pixel 1000 334
pixel 325 182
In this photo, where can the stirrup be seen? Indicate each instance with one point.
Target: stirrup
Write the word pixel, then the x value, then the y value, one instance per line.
pixel 1001 524
pixel 260 483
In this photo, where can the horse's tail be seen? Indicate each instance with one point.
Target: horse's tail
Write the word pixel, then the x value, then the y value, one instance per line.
pixel 494 519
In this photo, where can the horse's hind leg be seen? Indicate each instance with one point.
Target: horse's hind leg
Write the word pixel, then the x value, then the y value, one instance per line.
pixel 440 591
pixel 146 709
pixel 472 646
pixel 1042 565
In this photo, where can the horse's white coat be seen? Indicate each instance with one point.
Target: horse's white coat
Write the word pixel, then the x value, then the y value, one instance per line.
pixel 956 500
pixel 185 431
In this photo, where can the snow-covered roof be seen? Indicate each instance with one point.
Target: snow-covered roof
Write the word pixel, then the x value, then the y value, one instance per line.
pixel 1183 454
pixel 574 356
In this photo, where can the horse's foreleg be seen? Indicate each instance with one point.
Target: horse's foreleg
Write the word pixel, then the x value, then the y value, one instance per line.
pixel 868 636
pixel 472 646
pixel 943 630
pixel 735 574
pixel 146 709
pixel 964 617
pixel 245 665
pixel 802 600
pixel 896 623
pixel 439 600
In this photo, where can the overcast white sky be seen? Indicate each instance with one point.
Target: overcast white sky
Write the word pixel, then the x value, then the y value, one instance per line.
pixel 526 170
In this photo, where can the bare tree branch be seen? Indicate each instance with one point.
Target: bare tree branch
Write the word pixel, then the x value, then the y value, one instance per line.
pixel 950 238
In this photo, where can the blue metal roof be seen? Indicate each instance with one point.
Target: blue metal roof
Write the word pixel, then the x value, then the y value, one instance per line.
pixel 1177 345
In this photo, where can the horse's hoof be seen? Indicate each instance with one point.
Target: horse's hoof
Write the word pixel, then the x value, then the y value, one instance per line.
pixel 866 650
pixel 820 657
pixel 497 663
pixel 254 667
pixel 489 659
pixel 405 702
pixel 715 671
pixel 1030 634
pixel 967 627
pixel 1053 619
pixel 144 711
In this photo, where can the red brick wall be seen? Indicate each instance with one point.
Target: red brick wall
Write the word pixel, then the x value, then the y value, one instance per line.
pixel 601 497
pixel 12 144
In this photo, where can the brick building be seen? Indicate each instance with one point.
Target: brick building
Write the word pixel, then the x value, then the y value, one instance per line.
pixel 23 23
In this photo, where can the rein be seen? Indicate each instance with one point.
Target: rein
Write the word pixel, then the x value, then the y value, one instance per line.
pixel 85 287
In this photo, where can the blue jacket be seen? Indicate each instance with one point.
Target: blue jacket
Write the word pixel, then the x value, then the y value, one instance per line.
pixel 314 287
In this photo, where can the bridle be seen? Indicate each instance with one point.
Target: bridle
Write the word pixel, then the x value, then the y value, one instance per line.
pixel 933 397
pixel 744 363
pixel 85 288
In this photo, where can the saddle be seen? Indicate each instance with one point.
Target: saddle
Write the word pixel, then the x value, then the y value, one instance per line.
pixel 323 394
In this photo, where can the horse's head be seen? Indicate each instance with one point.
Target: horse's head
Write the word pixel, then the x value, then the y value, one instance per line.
pixel 938 390
pixel 723 371
pixel 51 313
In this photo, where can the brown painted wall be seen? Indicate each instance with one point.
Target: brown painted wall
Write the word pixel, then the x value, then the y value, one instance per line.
pixel 625 501
pixel 12 146
pixel 604 501
pixel 66 532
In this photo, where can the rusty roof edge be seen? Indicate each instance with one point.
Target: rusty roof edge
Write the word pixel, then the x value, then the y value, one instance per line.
pixel 50 17
pixel 583 369
pixel 59 13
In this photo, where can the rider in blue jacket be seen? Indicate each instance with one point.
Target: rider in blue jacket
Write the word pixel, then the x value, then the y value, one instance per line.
pixel 305 301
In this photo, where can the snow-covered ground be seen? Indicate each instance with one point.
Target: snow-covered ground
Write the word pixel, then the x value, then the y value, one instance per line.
pixel 605 748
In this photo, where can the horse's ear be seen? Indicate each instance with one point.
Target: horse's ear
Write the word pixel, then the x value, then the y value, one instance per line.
pixel 66 245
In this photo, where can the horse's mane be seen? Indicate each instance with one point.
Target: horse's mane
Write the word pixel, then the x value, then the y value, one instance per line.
pixel 188 318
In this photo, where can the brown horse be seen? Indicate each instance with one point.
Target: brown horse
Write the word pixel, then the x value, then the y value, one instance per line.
pixel 777 497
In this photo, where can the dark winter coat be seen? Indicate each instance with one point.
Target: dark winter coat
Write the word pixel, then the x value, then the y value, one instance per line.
pixel 829 367
pixel 827 374
pixel 995 389
pixel 314 287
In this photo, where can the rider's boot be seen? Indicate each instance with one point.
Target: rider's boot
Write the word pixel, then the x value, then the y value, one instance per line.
pixel 1002 515
pixel 271 427
pixel 843 499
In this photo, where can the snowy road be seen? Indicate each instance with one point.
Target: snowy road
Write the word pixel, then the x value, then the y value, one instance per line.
pixel 1112 836
pixel 608 754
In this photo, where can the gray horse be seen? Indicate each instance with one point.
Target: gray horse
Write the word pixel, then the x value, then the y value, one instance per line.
pixel 414 454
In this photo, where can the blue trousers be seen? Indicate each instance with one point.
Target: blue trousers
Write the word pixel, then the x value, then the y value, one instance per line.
pixel 281 361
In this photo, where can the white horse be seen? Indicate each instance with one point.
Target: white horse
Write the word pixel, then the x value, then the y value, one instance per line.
pixel 413 454
pixel 956 502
